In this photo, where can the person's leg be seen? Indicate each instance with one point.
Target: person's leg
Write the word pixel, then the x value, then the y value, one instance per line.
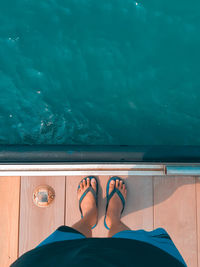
pixel 116 227
pixel 114 209
pixel 88 207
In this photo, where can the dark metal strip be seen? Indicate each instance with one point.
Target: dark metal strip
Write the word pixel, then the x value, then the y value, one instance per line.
pixel 98 153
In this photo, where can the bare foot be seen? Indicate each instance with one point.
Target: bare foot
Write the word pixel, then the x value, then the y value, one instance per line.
pixel 115 204
pixel 88 204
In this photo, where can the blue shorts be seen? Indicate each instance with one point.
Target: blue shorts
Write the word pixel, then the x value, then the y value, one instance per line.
pixel 158 237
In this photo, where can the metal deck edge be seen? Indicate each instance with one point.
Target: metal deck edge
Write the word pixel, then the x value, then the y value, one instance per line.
pixel 99 169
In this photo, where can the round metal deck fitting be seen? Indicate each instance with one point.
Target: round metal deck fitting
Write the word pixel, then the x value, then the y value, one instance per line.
pixel 43 195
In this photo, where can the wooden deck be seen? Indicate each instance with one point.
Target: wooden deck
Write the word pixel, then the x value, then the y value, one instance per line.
pixel 171 202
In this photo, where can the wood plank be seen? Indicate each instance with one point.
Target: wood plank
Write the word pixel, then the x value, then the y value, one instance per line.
pixel 175 211
pixel 9 211
pixel 198 216
pixel 138 212
pixel 37 223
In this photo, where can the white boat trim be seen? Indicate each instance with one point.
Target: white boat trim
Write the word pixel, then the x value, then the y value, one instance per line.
pixel 75 166
pixel 87 168
pixel 80 169
pixel 76 173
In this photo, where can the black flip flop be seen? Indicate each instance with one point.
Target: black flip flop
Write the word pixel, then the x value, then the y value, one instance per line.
pixel 86 191
pixel 111 194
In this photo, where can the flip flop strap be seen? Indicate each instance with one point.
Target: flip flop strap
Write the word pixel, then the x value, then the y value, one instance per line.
pixel 119 194
pixel 84 194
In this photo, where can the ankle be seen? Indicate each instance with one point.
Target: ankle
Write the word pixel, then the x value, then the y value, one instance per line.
pixel 90 217
pixel 113 220
pixel 92 212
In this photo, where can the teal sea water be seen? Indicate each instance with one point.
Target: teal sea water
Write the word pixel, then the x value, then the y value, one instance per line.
pixel 108 72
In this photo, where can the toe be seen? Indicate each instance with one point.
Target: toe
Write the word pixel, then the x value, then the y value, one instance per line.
pixel 84 183
pixel 88 181
pixel 111 186
pixel 93 182
pixel 124 186
pixel 120 184
pixel 117 183
pixel 81 185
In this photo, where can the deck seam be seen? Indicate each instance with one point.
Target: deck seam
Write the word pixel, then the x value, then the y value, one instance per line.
pixel 19 216
pixel 196 221
pixel 153 199
pixel 65 200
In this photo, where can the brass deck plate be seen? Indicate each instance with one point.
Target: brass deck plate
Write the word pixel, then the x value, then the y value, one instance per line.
pixel 43 195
